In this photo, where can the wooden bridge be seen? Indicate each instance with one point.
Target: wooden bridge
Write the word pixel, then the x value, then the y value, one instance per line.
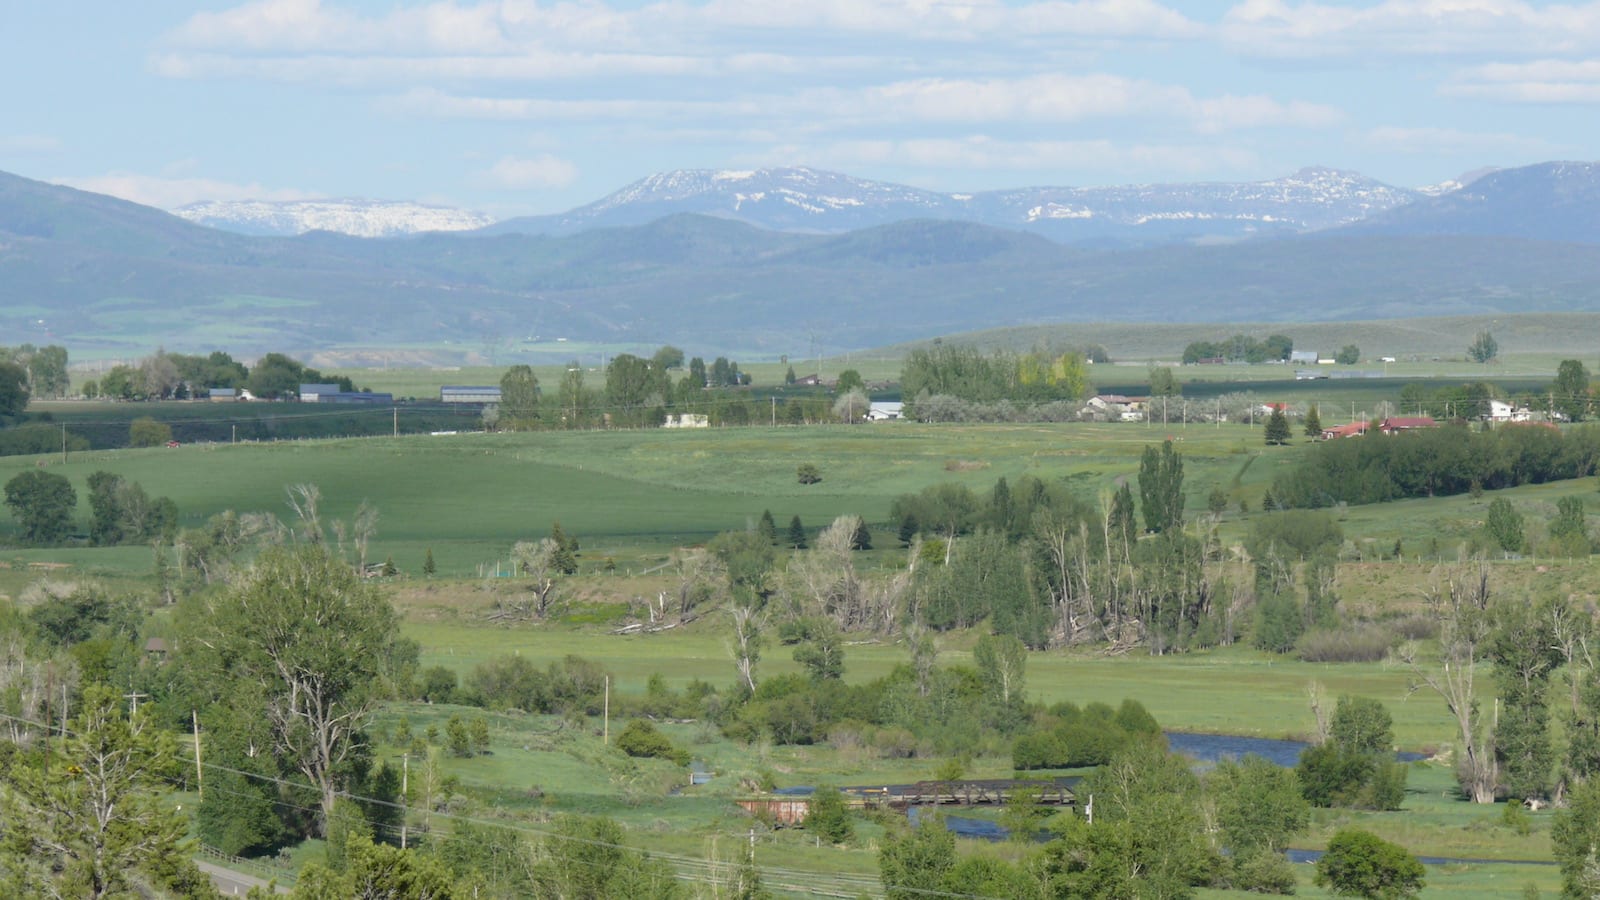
pixel 793 809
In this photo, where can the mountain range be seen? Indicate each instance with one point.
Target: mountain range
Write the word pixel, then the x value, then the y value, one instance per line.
pixel 111 277
pixel 808 200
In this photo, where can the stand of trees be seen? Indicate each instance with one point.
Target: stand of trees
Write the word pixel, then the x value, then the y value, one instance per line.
pixel 1240 348
pixel 966 374
pixel 1435 462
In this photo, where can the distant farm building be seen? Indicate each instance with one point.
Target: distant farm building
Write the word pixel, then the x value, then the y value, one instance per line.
pixel 330 393
pixel 1303 357
pixel 484 394
pixel 1397 424
pixel 1501 411
pixel 222 395
pixel 808 380
pixel 687 420
pixel 884 411
pixel 1354 429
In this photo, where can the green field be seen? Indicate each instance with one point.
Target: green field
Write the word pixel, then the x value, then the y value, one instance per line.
pixel 634 495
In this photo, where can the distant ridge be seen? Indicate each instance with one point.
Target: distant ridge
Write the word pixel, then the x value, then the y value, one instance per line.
pixel 117 278
pixel 811 200
pixel 1554 201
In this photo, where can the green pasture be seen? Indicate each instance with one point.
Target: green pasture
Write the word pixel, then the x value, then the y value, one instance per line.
pixel 632 495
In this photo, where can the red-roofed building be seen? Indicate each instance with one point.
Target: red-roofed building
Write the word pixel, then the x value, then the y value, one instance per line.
pixel 1397 424
pixel 1354 429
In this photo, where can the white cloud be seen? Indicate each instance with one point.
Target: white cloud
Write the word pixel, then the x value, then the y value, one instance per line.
pixel 523 174
pixel 1073 98
pixel 1040 99
pixel 510 26
pixel 171 193
pixel 1451 141
pixel 1104 157
pixel 1542 81
pixel 1497 28
pixel 29 144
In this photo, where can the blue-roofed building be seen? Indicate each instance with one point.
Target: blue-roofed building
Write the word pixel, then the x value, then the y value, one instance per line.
pixel 469 394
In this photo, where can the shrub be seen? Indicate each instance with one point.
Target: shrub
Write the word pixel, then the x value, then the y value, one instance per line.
pixel 1362 643
pixel 1415 627
pixel 640 738
pixel 1361 864
pixel 829 817
pixel 808 473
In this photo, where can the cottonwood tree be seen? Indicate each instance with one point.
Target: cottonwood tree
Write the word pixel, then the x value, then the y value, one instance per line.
pixel 1525 652
pixel 1002 663
pixel 1483 348
pixel 823 581
pixel 540 561
pixel 301 630
pixel 1465 626
pixel 519 399
pixel 746 641
pixel 1161 487
pixel 42 503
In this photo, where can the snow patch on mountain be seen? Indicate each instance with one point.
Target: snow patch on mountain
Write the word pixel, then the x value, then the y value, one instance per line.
pixel 360 218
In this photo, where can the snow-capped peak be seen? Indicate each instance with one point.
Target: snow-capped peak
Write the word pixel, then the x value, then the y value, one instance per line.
pixel 361 218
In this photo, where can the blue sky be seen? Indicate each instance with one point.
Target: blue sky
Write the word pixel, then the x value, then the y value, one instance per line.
pixel 517 107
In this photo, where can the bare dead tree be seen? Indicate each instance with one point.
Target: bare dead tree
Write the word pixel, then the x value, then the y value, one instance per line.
pixel 1463 602
pixel 305 500
pixel 746 643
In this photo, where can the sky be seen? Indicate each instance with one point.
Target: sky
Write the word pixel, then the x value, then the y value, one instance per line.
pixel 518 107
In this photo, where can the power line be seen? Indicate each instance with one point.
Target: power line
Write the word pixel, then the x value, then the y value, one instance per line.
pixel 693 864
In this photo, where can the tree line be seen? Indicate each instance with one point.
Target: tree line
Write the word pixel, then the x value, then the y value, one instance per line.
pixel 1435 462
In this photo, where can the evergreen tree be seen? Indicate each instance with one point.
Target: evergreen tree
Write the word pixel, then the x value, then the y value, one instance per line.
pixel 565 560
pixel 797 534
pixel 428 568
pixel 1313 423
pixel 861 539
pixel 1277 427
pixel 908 529
pixel 767 528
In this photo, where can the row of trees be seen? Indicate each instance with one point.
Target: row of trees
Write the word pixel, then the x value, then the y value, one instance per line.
pixel 1240 348
pixel 179 376
pixel 121 512
pixel 1435 462
pixel 966 373
pixel 44 370
pixel 637 392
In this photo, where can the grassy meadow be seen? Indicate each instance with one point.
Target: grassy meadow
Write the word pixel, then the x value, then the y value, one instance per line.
pixel 633 496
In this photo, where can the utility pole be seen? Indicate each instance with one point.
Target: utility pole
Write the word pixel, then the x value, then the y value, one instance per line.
pixel 396 411
pixel 133 696
pixel 199 777
pixel 63 442
pixel 405 784
pixel 774 412
pixel 236 434
pixel 605 728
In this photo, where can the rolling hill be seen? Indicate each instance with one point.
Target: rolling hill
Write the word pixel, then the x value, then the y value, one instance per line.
pixel 108 277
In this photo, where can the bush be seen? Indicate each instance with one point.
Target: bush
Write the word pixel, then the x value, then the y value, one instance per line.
pixel 642 739
pixel 1263 873
pixel 147 432
pixel 439 685
pixel 1416 627
pixel 808 473
pixel 1362 643
pixel 1278 623
pixel 1361 864
pixel 829 817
